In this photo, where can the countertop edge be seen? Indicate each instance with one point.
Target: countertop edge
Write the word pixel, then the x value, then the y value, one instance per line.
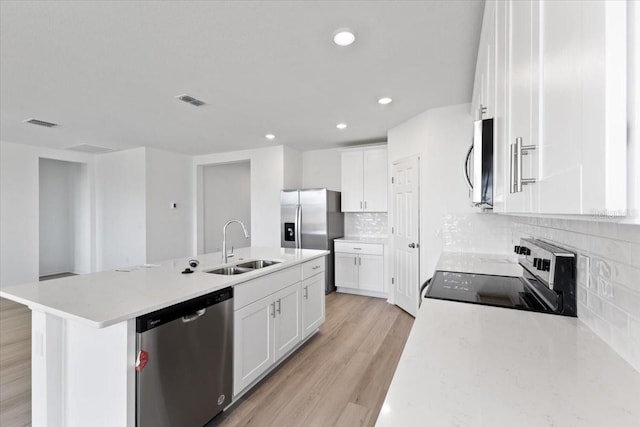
pixel 97 324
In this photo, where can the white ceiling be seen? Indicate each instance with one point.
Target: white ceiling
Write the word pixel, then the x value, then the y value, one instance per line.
pixel 107 72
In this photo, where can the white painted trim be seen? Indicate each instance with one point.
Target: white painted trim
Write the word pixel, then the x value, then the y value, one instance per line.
pixel 362 292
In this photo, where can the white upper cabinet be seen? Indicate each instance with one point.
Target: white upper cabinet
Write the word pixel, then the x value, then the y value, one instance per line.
pixel 522 99
pixel 583 74
pixel 558 99
pixel 364 180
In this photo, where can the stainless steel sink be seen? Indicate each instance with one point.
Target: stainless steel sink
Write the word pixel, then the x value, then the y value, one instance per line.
pixel 261 263
pixel 229 271
pixel 244 267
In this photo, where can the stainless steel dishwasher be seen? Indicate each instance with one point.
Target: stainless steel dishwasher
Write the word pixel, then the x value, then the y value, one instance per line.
pixel 184 363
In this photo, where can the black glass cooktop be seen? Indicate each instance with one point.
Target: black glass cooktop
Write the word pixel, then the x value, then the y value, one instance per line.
pixel 500 291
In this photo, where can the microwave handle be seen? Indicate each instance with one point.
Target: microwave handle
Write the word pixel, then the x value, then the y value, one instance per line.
pixel 466 168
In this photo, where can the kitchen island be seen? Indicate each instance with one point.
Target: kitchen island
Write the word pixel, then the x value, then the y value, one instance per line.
pixel 476 365
pixel 84 329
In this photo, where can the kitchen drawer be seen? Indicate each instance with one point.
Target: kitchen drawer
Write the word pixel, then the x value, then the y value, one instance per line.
pixel 313 267
pixel 255 289
pixel 359 248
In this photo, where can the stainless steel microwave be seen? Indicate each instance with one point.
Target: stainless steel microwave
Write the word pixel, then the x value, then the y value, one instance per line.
pixel 479 178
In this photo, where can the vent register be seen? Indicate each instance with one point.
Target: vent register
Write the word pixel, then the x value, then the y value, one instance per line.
pixel 190 100
pixel 94 149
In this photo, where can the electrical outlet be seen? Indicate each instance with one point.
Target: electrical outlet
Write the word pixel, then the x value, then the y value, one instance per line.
pixel 583 271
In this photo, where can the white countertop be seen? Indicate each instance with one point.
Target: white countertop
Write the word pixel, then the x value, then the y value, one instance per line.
pixel 109 297
pixel 473 365
pixel 351 239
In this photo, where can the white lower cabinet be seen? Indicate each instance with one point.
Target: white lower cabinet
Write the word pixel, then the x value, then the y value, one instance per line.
pixel 312 304
pixel 268 329
pixel 370 272
pixel 253 342
pixel 286 331
pixel 360 268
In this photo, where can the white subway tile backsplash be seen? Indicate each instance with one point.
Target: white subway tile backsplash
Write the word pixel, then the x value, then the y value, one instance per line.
pixel 477 232
pixel 609 301
pixel 366 224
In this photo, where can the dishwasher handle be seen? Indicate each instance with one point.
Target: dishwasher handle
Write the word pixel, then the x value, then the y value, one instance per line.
pixel 193 316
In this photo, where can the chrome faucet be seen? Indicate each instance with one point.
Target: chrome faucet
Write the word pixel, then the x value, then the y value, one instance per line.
pixel 224 237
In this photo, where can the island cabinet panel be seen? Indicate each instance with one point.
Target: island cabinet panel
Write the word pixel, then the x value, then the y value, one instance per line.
pixel 268 329
pixel 287 322
pixel 253 342
pixel 313 304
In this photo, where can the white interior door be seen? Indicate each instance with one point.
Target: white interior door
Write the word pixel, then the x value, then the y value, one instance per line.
pixel 406 233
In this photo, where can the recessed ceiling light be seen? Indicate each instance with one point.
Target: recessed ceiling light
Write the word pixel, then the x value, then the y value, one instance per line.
pixel 343 37
pixel 341 126
pixel 384 101
pixel 270 136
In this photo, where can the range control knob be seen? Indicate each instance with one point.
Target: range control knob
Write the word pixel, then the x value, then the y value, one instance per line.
pixel 536 262
pixel 522 250
pixel 546 265
pixel 516 249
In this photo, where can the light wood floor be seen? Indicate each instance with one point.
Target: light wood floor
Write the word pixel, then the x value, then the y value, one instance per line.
pixel 15 364
pixel 339 378
pixel 15 361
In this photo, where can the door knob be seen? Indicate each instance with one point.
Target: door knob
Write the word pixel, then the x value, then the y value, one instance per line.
pixel 412 245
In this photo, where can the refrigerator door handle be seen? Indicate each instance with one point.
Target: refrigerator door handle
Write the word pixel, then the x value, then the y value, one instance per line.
pixel 298 224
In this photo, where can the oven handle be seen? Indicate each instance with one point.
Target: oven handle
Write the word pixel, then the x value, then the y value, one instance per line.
pixel 422 289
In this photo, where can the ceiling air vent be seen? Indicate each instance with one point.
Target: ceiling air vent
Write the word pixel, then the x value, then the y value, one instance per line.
pixel 92 149
pixel 190 100
pixel 40 123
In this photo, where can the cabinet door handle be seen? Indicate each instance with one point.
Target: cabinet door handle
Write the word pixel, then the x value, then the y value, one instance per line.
pixel 273 309
pixel 359 261
pixel 512 168
pixel 361 204
pixel 365 204
pixel 355 260
pixel 520 149
pixel 279 306
pixel 306 292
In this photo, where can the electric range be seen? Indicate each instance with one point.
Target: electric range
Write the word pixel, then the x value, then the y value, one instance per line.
pixel 547 285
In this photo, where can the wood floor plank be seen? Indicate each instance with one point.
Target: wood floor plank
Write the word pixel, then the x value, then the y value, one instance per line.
pixel 340 377
pixel 353 415
pixel 15 364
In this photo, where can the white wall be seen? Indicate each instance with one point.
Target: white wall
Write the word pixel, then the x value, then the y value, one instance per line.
pixel 121 209
pixel 440 137
pixel 226 194
pixel 633 114
pixel 267 179
pixel 321 168
pixel 58 200
pixel 292 163
pixel 169 179
pixel 19 211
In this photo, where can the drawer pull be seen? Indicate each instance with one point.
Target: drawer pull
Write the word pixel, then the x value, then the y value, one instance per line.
pixel 316 267
pixel 358 249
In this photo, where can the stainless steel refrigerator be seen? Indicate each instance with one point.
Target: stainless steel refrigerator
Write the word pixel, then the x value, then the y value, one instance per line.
pixel 311 219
